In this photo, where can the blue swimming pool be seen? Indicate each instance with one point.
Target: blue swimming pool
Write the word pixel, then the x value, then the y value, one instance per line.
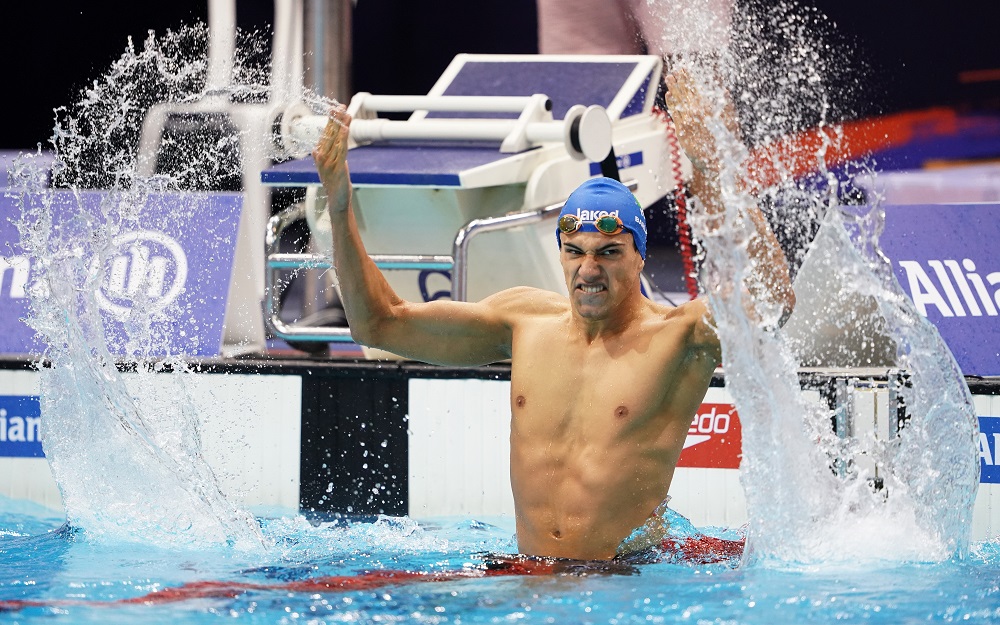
pixel 390 570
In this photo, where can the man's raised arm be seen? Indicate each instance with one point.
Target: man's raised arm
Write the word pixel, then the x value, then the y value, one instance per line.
pixel 440 332
pixel 691 115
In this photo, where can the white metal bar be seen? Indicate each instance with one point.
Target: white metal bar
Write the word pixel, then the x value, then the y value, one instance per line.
pixel 286 51
pixel 441 129
pixel 437 262
pixel 470 104
pixel 307 129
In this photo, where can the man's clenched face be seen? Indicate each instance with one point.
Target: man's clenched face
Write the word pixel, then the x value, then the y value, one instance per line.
pixel 601 271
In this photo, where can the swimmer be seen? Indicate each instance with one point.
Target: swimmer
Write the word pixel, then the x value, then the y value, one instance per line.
pixel 605 382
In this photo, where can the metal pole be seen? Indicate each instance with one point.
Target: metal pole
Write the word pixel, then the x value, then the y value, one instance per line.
pixel 328 47
pixel 221 43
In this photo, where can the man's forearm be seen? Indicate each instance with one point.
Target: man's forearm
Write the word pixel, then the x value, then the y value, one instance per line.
pixel 705 186
pixel 772 283
pixel 692 114
pixel 368 299
pixel 366 295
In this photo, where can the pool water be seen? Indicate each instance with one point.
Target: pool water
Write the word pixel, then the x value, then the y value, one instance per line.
pixel 329 572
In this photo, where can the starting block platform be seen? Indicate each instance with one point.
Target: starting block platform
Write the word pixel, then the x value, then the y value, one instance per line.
pixel 623 86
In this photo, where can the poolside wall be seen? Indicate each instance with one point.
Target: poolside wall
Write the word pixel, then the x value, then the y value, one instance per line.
pixel 403 438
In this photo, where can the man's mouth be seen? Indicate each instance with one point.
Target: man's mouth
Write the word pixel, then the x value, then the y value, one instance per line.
pixel 591 288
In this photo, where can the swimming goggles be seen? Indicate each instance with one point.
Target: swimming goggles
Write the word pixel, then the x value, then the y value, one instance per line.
pixel 608 224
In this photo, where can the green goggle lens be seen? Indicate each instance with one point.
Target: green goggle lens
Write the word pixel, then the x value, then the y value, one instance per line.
pixel 609 225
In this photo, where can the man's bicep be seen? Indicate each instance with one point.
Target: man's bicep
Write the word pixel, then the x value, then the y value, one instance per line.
pixel 449 333
pixel 704 334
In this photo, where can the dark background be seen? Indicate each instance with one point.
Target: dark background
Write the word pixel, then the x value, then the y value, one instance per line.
pixel 914 51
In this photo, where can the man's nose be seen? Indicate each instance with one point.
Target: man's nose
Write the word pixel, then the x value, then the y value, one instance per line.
pixel 589 266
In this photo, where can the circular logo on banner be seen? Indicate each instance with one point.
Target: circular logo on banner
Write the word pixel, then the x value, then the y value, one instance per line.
pixel 147 269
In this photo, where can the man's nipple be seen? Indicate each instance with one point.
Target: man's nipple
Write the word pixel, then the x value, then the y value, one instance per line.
pixel 621 412
pixel 520 401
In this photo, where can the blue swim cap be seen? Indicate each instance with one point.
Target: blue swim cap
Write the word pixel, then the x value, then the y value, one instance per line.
pixel 605 196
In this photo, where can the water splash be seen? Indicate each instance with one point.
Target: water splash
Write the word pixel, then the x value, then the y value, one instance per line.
pixel 780 71
pixel 125 448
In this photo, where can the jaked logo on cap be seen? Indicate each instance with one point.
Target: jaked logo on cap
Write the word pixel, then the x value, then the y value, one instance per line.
pixel 588 215
pixel 605 197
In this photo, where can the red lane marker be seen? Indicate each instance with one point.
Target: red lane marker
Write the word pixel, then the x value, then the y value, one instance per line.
pixel 704 549
pixel 16 605
pixel 698 550
pixel 192 590
pixel 232 589
pixel 372 580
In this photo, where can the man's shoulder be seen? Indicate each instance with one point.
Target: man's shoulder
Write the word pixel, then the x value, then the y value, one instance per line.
pixel 691 311
pixel 528 301
pixel 692 319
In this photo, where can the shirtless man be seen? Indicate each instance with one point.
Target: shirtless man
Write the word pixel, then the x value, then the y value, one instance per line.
pixel 604 384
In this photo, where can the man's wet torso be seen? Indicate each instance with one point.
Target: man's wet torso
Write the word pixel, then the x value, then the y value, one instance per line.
pixel 597 428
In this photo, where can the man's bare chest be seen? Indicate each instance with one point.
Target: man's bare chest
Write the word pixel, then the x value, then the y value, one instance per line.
pixel 607 390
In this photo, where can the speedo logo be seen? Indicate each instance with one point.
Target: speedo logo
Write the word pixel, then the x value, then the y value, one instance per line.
pixel 149 270
pixel 958 290
pixel 714 438
pixel 709 421
pixel 584 214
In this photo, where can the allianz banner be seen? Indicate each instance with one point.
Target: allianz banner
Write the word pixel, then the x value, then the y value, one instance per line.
pixel 177 257
pixel 20 426
pixel 946 258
